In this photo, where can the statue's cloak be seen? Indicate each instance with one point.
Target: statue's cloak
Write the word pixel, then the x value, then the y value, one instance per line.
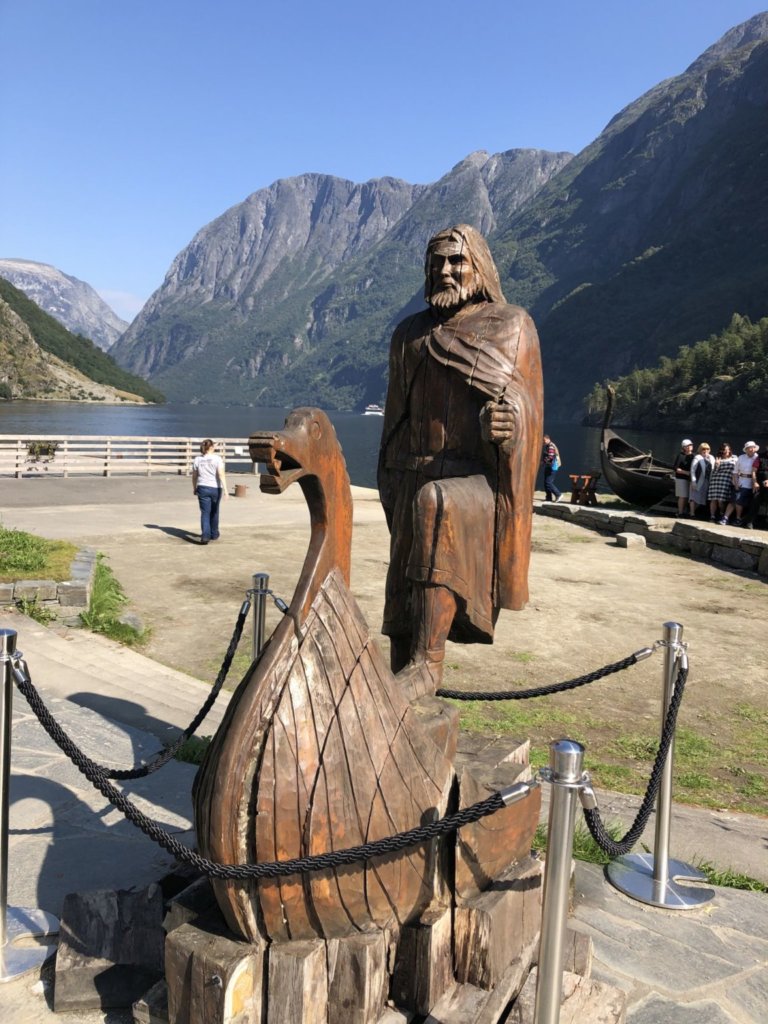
pixel 492 349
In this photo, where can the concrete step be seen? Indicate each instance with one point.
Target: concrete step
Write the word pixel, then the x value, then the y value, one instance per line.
pixel 116 682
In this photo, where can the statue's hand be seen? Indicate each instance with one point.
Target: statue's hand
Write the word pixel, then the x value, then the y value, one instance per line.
pixel 498 423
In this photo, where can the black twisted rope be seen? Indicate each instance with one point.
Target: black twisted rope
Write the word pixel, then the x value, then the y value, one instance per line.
pixel 543 691
pixel 618 847
pixel 268 869
pixel 68 746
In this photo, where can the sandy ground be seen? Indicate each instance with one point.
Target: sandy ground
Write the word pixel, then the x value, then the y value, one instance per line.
pixel 591 603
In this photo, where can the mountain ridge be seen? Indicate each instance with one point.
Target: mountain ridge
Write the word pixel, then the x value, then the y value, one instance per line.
pixel 310 298
pixel 40 358
pixel 72 302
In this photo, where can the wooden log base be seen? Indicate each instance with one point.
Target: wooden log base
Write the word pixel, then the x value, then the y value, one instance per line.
pixel 212 976
pixel 298 982
pixel 358 979
pixel 489 847
pixel 424 964
pixel 467 1004
pixel 499 926
pixel 110 948
pixel 191 903
pixel 152 1008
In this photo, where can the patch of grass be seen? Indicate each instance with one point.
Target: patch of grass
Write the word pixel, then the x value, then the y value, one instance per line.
pixel 638 747
pixel 584 846
pixel 193 750
pixel 730 879
pixel 35 611
pixel 586 849
pixel 619 777
pixel 750 713
pixel 517 717
pixel 107 600
pixel 24 556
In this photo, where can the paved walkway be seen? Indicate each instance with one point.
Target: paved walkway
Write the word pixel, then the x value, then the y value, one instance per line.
pixel 708 966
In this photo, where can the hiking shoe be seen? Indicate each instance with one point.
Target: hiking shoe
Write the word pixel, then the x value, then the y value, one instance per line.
pixel 723 521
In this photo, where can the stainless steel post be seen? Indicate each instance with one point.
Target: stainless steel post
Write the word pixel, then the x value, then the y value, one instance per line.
pixel 654 878
pixel 673 649
pixel 566 775
pixel 7 649
pixel 259 594
pixel 15 922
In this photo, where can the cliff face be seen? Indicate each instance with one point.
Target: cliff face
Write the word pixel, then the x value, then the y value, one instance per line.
pixel 655 234
pixel 652 237
pixel 281 240
pixel 252 309
pixel 27 371
pixel 72 302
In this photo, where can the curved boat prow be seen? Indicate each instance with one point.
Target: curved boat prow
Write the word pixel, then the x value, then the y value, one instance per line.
pixel 319 748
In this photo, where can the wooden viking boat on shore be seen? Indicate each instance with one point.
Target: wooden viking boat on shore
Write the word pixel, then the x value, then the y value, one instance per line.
pixel 634 475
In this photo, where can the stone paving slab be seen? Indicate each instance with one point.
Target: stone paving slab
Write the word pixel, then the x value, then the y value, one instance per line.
pixel 64 835
pixel 708 966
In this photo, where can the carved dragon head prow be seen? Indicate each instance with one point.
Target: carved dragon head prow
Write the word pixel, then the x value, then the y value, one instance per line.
pixel 307 451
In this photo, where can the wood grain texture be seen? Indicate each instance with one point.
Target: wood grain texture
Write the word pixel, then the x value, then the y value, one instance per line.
pixel 319 749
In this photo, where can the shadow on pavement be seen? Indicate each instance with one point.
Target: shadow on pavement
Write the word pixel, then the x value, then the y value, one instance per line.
pixel 126 712
pixel 174 531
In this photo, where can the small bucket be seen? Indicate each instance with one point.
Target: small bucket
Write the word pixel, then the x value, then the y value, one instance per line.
pixel 241 490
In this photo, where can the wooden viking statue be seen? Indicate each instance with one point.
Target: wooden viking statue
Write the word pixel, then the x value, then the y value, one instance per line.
pixel 458 460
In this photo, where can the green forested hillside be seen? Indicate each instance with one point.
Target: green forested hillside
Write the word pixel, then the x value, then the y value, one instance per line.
pixel 73 349
pixel 717 384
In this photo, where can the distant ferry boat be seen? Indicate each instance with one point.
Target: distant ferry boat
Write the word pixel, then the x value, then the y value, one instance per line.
pixel 373 410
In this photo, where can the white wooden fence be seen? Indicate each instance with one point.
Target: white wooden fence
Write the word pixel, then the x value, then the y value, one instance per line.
pixel 67 455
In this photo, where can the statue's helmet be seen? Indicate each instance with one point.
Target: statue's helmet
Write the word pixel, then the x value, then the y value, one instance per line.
pixel 468 240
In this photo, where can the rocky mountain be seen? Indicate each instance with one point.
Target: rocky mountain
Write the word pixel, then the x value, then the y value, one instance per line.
pixel 248 308
pixel 652 237
pixel 27 371
pixel 41 359
pixel 284 239
pixel 656 233
pixel 71 301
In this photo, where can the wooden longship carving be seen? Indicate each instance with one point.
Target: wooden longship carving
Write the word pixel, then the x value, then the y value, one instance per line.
pixel 319 749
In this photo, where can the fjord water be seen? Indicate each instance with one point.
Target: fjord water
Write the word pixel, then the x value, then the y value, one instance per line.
pixel 359 435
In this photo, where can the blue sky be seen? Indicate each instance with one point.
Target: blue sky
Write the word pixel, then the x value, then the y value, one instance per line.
pixel 127 126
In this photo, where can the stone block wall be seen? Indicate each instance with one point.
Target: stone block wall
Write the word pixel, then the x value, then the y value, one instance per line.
pixel 723 545
pixel 66 599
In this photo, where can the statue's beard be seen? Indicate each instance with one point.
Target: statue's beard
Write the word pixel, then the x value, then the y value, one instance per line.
pixel 453 296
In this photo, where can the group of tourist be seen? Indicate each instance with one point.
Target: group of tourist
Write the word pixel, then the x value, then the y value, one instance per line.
pixel 730 488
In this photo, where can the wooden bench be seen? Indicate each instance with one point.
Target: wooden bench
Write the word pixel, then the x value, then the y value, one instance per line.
pixel 584 488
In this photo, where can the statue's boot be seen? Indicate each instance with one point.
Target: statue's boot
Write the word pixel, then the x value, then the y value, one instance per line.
pixel 434 608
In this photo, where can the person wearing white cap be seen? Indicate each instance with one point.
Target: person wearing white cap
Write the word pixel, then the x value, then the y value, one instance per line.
pixel 682 468
pixel 745 482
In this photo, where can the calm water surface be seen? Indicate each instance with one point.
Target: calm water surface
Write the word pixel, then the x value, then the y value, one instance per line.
pixel 359 435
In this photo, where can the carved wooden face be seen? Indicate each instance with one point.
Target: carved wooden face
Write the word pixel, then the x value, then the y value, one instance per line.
pixel 453 279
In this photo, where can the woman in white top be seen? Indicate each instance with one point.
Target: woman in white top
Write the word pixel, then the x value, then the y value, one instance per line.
pixel 209 484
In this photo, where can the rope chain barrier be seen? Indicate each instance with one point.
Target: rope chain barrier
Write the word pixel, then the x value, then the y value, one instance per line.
pixel 266 869
pixel 99 776
pixel 619 847
pixel 543 691
pixel 68 746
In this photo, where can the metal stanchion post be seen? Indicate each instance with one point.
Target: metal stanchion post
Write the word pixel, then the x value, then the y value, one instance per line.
pixel 16 923
pixel 259 594
pixel 654 878
pixel 565 774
